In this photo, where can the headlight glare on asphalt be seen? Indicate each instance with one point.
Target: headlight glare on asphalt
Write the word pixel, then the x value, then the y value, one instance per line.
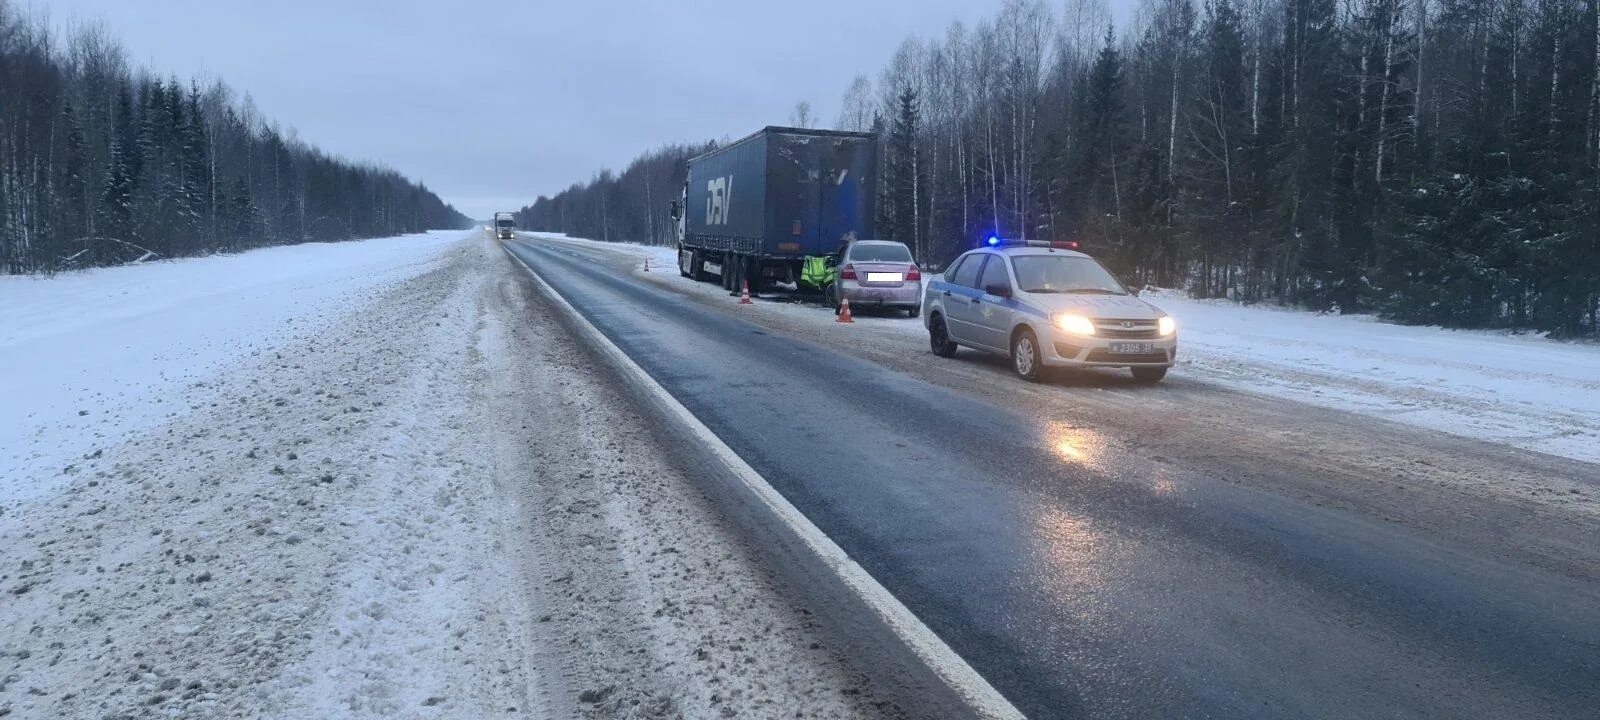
pixel 1075 324
pixel 1167 325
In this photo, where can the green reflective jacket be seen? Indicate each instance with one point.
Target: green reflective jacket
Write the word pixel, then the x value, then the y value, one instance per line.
pixel 816 273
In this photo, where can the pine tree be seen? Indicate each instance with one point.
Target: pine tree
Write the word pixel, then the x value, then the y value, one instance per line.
pixel 1310 253
pixel 75 223
pixel 903 170
pixel 245 216
pixel 195 183
pixel 1216 198
pixel 122 178
pixel 1100 159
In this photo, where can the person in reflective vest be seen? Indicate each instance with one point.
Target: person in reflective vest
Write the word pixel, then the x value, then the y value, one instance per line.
pixel 817 272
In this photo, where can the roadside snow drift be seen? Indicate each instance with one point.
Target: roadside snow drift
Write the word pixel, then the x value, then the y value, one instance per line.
pixel 88 357
pixel 1525 391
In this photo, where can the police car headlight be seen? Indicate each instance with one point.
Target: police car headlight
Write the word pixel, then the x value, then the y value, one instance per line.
pixel 1075 324
pixel 1166 325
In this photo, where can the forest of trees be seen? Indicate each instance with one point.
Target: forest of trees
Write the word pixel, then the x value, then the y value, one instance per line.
pixel 1433 161
pixel 102 164
pixel 631 206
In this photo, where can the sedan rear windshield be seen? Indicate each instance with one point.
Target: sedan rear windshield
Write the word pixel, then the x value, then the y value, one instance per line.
pixel 1064 274
pixel 880 253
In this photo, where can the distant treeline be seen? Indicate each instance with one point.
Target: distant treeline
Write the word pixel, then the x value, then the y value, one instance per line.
pixel 101 164
pixel 631 206
pixel 1435 161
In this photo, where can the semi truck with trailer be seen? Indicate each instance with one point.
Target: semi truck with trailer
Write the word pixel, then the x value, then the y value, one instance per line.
pixel 505 225
pixel 753 210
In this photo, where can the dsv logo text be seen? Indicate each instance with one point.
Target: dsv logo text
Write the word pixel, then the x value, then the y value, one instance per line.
pixel 719 195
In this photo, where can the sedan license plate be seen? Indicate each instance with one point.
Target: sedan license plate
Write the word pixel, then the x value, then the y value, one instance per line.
pixel 883 277
pixel 1132 348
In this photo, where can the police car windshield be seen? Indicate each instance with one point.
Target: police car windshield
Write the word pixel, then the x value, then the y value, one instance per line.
pixel 1064 274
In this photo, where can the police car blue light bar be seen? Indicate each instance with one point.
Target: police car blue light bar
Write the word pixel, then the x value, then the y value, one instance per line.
pixel 996 241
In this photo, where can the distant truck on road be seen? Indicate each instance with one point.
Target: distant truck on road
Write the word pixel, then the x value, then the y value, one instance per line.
pixel 753 210
pixel 505 225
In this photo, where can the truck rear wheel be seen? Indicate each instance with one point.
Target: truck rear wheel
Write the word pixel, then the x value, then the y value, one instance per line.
pixel 697 266
pixel 751 268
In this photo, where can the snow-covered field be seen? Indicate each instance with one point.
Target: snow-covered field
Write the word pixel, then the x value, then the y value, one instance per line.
pixel 370 480
pixel 86 358
pixel 1524 391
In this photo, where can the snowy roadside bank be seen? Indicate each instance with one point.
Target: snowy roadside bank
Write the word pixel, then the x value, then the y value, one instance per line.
pixel 88 357
pixel 430 506
pixel 297 539
pixel 1524 391
pixel 1521 391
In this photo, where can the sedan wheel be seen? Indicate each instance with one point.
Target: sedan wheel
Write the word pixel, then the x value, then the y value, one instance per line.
pixel 1025 357
pixel 939 338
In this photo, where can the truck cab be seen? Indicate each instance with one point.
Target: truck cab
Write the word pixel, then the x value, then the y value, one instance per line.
pixel 505 225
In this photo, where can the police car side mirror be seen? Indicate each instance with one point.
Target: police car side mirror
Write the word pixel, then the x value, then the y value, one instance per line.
pixel 998 290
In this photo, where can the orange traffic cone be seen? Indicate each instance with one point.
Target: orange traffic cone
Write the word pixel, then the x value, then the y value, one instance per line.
pixel 844 312
pixel 647 264
pixel 744 292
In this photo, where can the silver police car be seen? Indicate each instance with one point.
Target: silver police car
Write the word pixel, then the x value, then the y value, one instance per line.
pixel 1046 305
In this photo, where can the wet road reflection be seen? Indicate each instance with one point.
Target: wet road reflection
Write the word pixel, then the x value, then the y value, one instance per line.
pixel 1087 575
pixel 1075 445
pixel 1090 449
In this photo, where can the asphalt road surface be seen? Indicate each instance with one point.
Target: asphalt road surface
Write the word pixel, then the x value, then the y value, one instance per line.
pixel 1097 548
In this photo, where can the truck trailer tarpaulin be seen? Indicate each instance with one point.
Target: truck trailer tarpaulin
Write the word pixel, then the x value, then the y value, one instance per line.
pixel 753 210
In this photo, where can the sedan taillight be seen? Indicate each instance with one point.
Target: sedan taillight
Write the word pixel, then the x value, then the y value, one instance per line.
pixel 848 272
pixel 914 274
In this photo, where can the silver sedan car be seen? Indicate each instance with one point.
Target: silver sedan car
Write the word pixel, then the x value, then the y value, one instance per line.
pixel 1047 306
pixel 878 273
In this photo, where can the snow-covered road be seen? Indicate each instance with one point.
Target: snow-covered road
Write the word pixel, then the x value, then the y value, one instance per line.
pixel 1520 390
pixel 391 486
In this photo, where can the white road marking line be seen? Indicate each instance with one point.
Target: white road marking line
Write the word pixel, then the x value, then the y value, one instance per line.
pixel 980 696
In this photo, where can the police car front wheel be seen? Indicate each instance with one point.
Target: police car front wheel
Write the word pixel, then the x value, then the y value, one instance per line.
pixel 1025 356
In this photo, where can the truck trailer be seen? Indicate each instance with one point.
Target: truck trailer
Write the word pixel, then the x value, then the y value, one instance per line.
pixel 505 225
pixel 753 210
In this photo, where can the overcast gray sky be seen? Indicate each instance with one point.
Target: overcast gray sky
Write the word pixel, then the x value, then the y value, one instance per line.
pixel 493 102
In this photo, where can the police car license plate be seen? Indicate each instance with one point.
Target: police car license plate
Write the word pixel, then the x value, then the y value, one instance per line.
pixel 1132 348
pixel 883 277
